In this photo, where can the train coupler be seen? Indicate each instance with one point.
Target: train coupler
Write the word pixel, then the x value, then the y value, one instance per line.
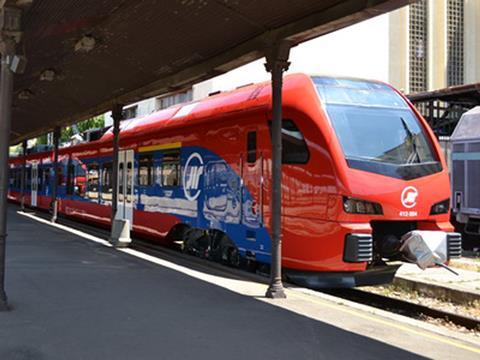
pixel 430 248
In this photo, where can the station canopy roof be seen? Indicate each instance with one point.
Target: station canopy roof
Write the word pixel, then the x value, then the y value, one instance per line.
pixel 106 52
pixel 468 94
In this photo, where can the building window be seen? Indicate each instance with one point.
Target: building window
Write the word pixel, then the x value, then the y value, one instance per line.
pixel 418 46
pixel 170 169
pixel 130 112
pixel 145 170
pixel 170 100
pixel 455 42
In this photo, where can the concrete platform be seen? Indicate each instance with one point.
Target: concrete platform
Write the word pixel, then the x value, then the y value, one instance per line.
pixel 78 299
pixel 441 283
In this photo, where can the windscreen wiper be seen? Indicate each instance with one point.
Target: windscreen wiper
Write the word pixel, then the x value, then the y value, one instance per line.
pixel 414 154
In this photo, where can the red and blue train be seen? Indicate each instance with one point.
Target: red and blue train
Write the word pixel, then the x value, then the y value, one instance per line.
pixel 361 169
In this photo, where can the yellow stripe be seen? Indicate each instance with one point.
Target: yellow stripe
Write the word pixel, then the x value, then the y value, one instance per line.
pixel 174 145
pixel 389 323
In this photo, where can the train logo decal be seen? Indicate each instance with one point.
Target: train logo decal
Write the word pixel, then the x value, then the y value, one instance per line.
pixel 409 197
pixel 191 176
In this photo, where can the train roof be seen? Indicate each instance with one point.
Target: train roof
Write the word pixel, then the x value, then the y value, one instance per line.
pixel 252 97
pixel 468 127
pixel 242 98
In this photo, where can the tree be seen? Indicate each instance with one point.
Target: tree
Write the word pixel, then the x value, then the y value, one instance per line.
pixel 92 123
pixel 67 132
pixel 42 140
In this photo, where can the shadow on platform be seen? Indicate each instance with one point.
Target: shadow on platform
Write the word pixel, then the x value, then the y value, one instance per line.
pixel 75 299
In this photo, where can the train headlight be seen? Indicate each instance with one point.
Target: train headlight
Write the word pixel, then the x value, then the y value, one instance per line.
pixel 441 207
pixel 357 206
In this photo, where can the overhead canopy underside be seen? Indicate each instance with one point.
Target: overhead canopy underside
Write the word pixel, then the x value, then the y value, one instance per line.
pixel 151 47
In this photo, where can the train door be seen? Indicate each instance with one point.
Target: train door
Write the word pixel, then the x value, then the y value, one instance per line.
pixel 34 182
pixel 252 175
pixel 125 186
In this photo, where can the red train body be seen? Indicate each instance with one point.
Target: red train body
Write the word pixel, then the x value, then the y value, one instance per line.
pixel 201 173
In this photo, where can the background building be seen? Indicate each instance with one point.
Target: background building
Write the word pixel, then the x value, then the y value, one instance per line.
pixel 434 44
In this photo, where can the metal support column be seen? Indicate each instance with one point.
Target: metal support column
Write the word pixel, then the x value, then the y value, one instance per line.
pixel 117 116
pixel 56 140
pixel 23 174
pixel 277 63
pixel 6 93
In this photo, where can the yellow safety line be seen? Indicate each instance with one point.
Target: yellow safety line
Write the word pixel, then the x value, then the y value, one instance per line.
pixel 387 323
pixel 174 145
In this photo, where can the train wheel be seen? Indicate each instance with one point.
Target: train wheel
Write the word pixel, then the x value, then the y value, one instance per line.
pixel 196 242
pixel 234 257
pixel 218 241
pixel 251 266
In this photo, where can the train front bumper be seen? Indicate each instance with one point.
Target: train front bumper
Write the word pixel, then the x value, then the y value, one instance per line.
pixel 431 248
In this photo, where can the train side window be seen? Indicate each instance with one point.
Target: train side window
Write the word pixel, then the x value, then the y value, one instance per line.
pixel 20 173
pixel 59 175
pixel 46 177
pixel 80 181
pixel 145 170
pixel 294 147
pixel 107 184
pixel 251 146
pixel 40 179
pixel 11 177
pixel 120 181
pixel 170 169
pixel 28 180
pixel 13 174
pixel 92 181
pixel 70 178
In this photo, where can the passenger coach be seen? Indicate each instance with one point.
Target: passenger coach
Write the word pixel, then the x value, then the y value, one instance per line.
pixel 361 170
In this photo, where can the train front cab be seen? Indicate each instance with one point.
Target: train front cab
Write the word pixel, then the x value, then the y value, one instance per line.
pixel 383 176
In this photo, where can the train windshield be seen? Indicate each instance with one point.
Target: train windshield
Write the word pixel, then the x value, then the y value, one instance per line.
pixel 376 128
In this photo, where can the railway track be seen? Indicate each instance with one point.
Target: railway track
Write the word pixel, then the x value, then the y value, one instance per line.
pixel 386 303
pixel 403 307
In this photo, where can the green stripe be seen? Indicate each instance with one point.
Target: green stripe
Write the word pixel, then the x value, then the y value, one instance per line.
pixel 466 156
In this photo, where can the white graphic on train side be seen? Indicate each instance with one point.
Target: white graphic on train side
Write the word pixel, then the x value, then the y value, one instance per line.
pixel 191 176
